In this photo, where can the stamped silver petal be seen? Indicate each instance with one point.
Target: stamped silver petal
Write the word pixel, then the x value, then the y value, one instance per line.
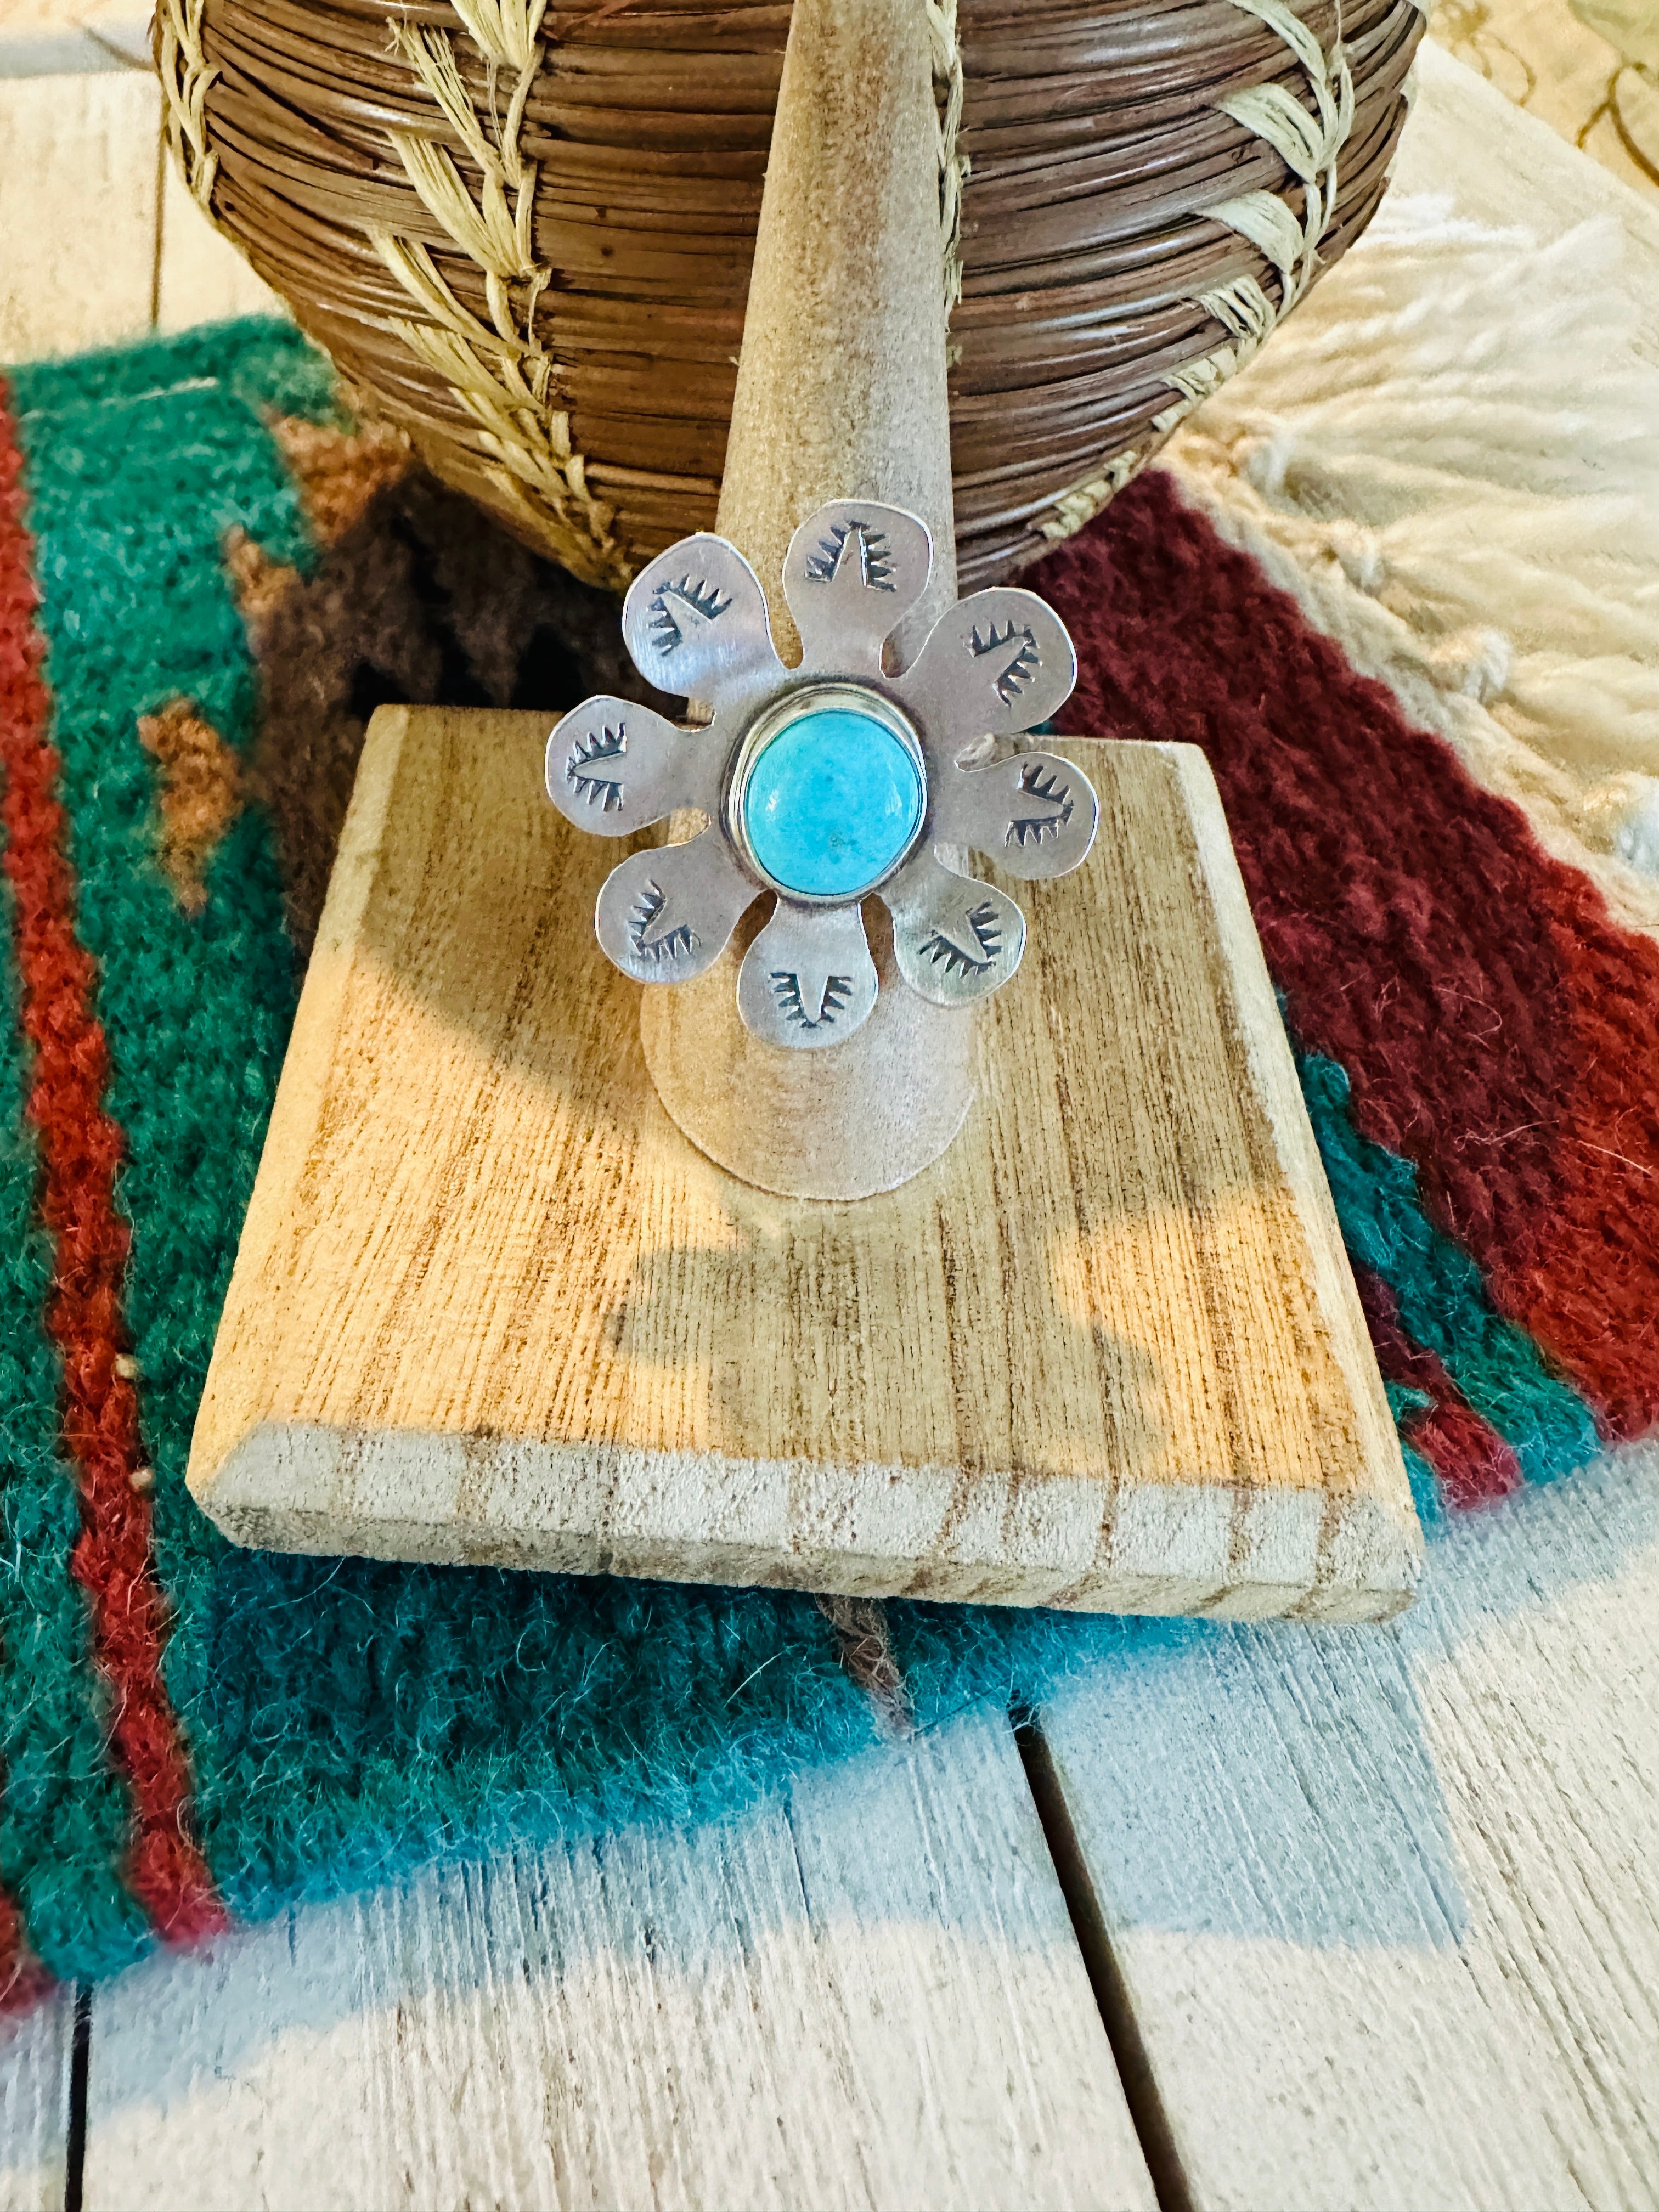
pixel 954 938
pixel 613 768
pixel 853 572
pixel 808 980
pixel 694 622
pixel 1033 814
pixel 666 915
pixel 995 664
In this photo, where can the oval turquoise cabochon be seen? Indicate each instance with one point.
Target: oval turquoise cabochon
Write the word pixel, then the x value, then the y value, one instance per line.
pixel 831 802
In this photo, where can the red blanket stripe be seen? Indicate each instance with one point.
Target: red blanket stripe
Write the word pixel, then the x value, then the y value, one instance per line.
pixel 23 1980
pixel 1512 1054
pixel 80 1150
pixel 1473 1463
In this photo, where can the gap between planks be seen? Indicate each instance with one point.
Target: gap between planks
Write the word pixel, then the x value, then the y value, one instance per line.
pixel 1533 1692
pixel 36 2070
pixel 1378 1909
pixel 867 1995
pixel 1385 1907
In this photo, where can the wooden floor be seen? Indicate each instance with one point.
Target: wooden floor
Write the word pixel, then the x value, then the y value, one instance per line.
pixel 1255 1918
pixel 1292 1919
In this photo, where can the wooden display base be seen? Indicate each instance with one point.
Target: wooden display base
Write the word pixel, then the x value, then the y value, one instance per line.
pixel 490 1306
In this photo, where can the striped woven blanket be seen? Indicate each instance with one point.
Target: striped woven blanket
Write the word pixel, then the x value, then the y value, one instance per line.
pixel 1391 595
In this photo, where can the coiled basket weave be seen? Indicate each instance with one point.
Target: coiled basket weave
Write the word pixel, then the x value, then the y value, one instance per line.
pixel 524 231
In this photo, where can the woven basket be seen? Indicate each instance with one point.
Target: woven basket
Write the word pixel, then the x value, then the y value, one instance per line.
pixel 525 232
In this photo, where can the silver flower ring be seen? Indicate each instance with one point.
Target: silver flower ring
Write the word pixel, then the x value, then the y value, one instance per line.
pixel 829 782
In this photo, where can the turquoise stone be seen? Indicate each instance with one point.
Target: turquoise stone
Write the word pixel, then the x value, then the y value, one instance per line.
pixel 831 802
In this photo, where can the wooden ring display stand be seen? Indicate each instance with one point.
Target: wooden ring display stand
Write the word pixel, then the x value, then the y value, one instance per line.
pixel 490 1303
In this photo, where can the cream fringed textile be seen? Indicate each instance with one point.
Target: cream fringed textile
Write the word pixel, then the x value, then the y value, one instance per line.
pixel 1308 133
pixel 1449 459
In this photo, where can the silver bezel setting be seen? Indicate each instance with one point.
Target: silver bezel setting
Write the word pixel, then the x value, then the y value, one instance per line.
pixel 990 668
pixel 793 706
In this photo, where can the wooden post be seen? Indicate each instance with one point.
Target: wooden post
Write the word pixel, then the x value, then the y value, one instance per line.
pixel 841 394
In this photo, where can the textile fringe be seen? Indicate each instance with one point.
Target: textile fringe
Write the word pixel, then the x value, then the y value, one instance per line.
pixel 498 372
pixel 1388 464
pixel 1308 142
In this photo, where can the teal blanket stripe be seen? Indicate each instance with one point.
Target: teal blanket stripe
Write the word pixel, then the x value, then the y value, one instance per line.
pixel 342 1717
pixel 136 466
pixel 1442 1299
pixel 346 1719
pixel 64 1813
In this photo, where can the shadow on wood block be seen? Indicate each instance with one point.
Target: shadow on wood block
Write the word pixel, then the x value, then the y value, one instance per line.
pixel 489 1305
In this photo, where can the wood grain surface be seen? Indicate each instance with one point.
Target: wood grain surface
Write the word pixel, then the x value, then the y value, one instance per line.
pixel 490 1305
pixel 34 2100
pixel 80 178
pixel 867 1997
pixel 99 240
pixel 1385 1905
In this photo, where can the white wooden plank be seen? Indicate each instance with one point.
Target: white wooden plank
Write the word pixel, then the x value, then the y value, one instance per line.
pixel 48 50
pixel 28 19
pixel 872 1996
pixel 34 2087
pixel 122 31
pixel 1386 1902
pixel 1385 1907
pixel 79 170
pixel 89 150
